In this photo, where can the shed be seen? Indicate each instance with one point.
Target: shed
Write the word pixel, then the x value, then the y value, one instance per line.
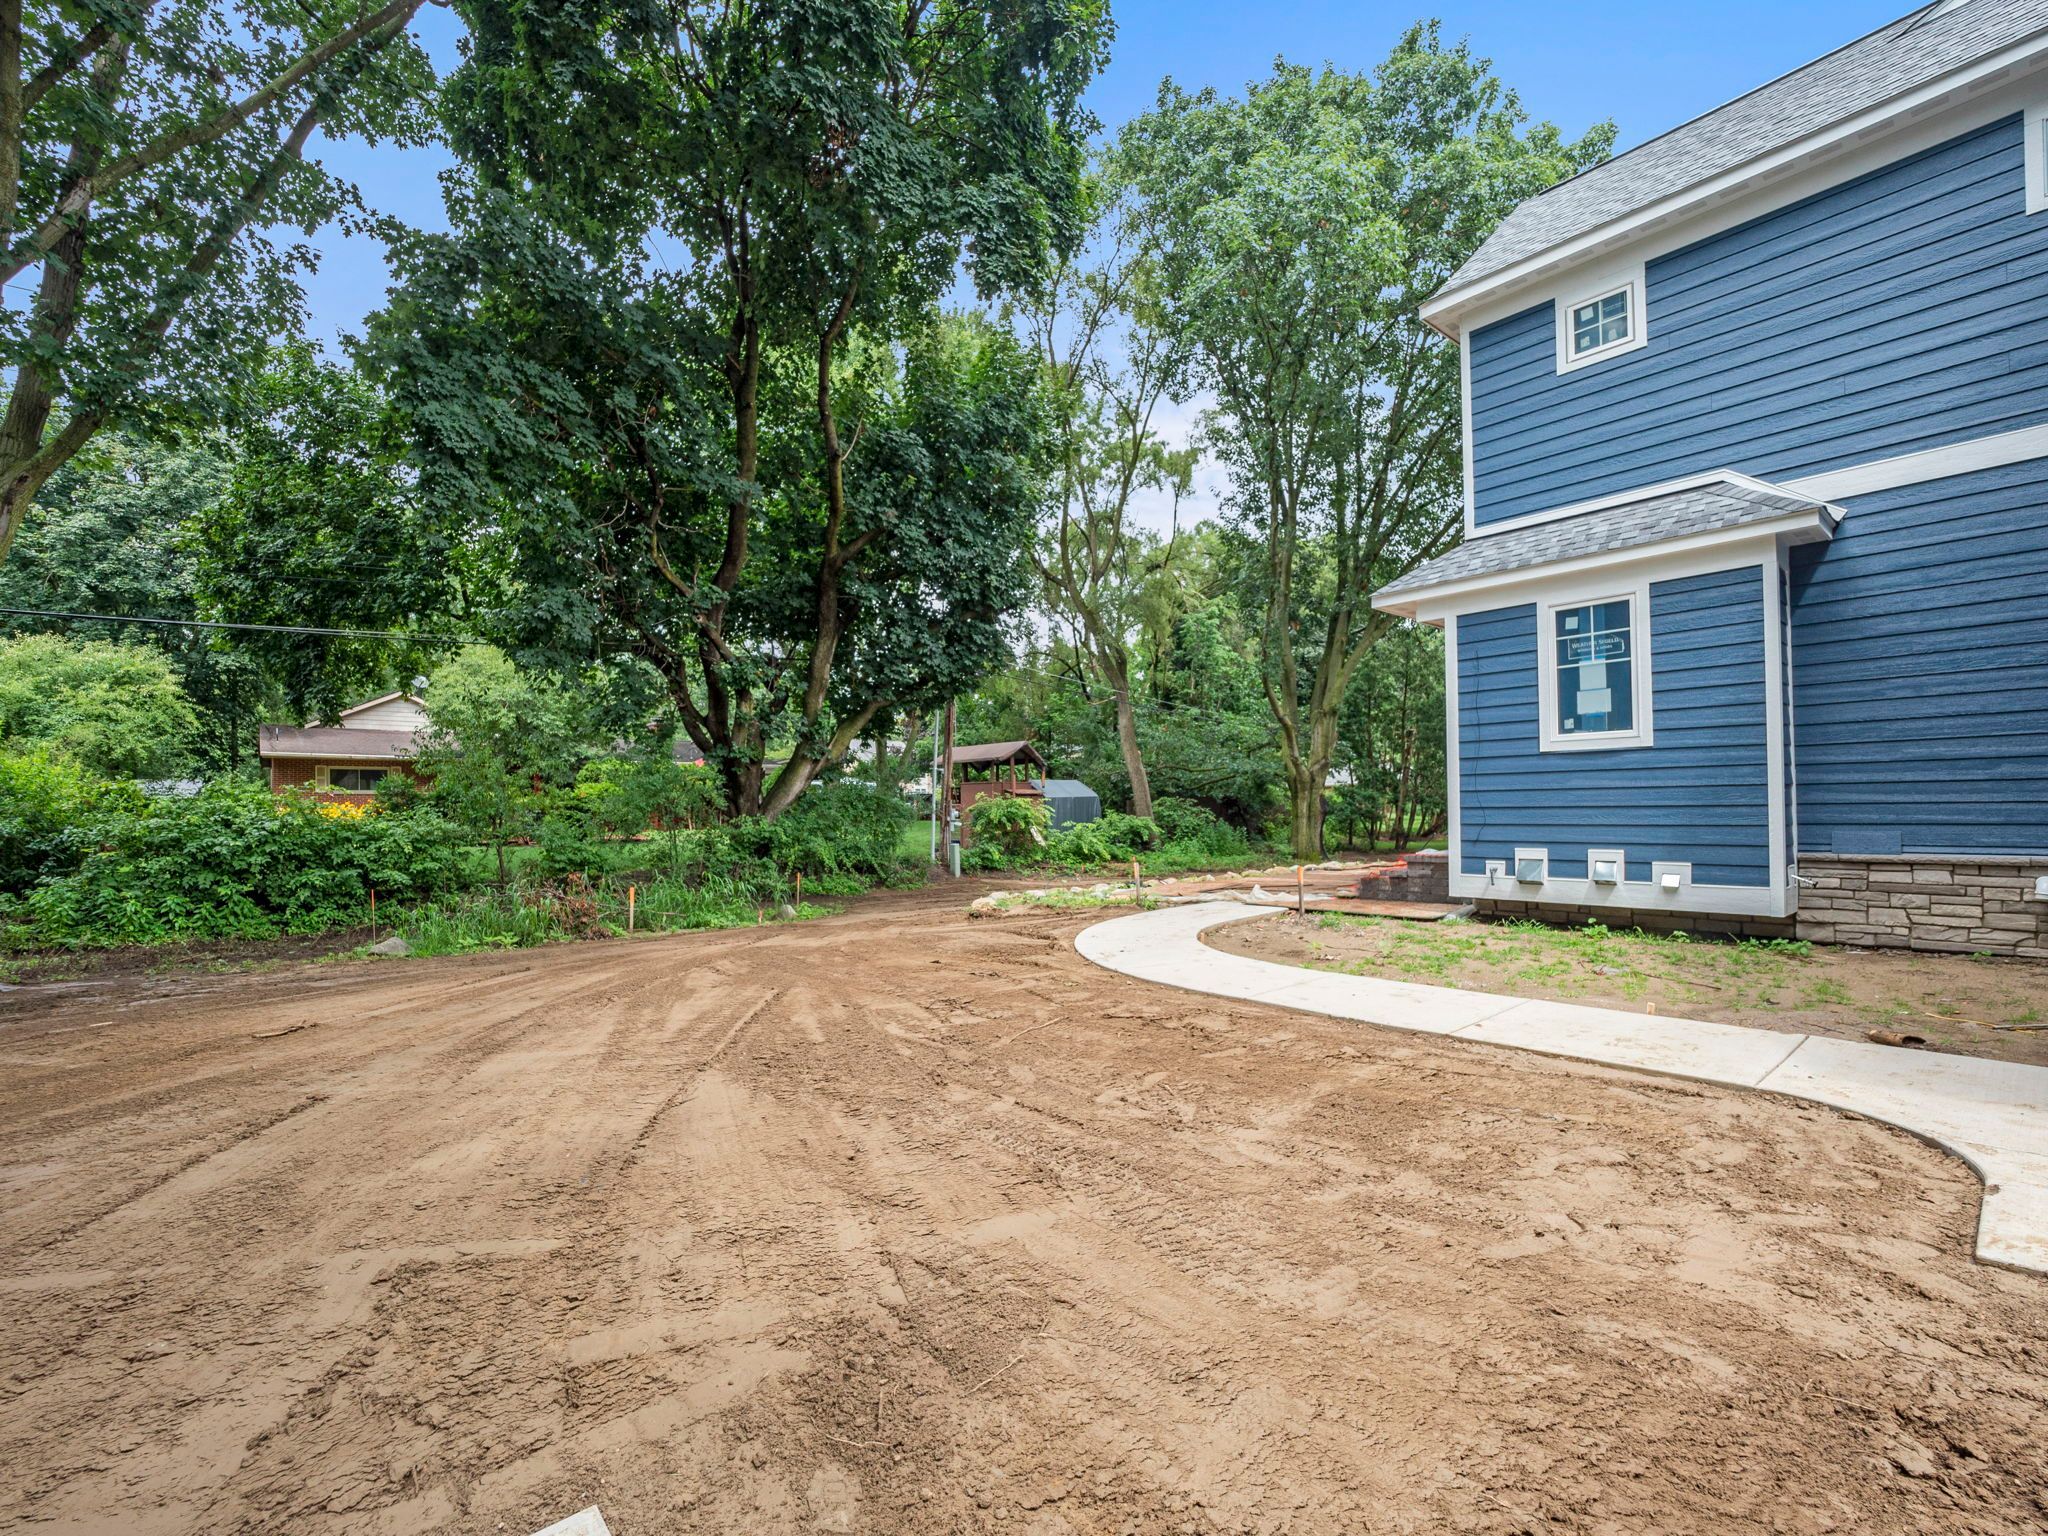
pixel 1070 801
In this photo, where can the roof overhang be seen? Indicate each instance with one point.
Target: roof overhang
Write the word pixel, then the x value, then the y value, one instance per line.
pixel 1429 600
pixel 1444 310
pixel 267 754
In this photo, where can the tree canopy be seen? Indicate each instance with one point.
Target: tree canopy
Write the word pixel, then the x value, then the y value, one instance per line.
pixel 115 709
pixel 682 353
pixel 1298 230
pixel 147 151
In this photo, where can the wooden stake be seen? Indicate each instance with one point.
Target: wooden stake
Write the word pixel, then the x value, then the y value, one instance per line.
pixel 373 914
pixel 1137 884
pixel 1300 891
pixel 799 889
pixel 631 893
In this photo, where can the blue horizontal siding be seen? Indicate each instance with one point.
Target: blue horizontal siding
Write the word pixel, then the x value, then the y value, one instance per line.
pixel 1700 795
pixel 1899 311
pixel 1920 670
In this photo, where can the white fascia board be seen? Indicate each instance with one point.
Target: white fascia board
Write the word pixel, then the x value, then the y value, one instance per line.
pixel 1935 111
pixel 1628 896
pixel 1694 554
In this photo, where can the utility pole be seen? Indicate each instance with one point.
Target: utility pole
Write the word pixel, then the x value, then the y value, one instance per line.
pixel 946 787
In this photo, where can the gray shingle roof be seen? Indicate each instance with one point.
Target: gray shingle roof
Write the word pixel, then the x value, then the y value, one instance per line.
pixel 1655 519
pixel 334 741
pixel 1896 58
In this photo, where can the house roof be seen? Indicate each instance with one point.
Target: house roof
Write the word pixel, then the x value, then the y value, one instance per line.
pixel 336 741
pixel 1712 504
pixel 996 752
pixel 386 698
pixel 1895 60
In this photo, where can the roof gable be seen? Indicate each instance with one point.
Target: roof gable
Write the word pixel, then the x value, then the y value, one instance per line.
pixel 1880 69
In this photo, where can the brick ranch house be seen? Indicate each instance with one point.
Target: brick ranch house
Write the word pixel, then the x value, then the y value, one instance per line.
pixel 345 761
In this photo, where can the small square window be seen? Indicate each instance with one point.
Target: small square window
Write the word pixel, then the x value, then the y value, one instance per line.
pixel 1601 322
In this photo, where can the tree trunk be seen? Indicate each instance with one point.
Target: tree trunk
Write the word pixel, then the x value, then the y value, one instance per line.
pixel 1134 760
pixel 1305 789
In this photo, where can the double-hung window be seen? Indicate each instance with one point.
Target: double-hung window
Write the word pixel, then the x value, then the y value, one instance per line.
pixel 1595 665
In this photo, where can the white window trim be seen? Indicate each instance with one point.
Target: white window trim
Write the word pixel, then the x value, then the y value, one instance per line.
pixel 1630 281
pixel 1641 734
pixel 2035 119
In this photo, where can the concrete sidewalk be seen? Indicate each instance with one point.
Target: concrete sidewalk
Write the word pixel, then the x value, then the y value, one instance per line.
pixel 1992 1114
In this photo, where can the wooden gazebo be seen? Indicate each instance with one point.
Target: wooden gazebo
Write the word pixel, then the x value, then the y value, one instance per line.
pixel 990 770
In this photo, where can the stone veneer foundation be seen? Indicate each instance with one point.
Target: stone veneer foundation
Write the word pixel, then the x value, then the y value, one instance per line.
pixel 1967 905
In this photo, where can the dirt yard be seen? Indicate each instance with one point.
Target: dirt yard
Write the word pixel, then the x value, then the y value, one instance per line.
pixel 1989 1006
pixel 901 1222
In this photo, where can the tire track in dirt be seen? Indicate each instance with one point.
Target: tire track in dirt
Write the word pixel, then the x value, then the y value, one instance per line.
pixel 901 1221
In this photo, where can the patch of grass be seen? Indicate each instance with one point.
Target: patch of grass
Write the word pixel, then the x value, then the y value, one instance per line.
pixel 1065 901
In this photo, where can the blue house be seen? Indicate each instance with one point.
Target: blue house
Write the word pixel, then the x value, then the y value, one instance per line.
pixel 1749 628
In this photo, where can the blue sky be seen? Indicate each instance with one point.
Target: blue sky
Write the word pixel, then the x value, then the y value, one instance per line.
pixel 1647 67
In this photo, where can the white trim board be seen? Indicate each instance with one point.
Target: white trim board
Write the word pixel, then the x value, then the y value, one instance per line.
pixel 1981 92
pixel 1829 485
pixel 1628 896
pixel 1928 464
pixel 1777 813
pixel 2035 119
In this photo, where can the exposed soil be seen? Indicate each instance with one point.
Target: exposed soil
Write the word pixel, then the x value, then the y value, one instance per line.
pixel 50 966
pixel 1993 1006
pixel 898 1221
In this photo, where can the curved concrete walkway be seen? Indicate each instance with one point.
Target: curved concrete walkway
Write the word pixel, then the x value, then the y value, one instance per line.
pixel 1992 1114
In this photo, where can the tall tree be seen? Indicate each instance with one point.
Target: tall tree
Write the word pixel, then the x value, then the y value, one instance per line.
pixel 144 146
pixel 316 526
pixel 1299 229
pixel 115 534
pixel 1108 370
pixel 683 342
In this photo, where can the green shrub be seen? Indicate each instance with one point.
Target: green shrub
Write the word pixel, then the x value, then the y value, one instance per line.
pixel 491 919
pixel 832 829
pixel 568 834
pixel 1127 836
pixel 1014 826
pixel 985 859
pixel 52 813
pixel 1191 826
pixel 1082 843
pixel 236 861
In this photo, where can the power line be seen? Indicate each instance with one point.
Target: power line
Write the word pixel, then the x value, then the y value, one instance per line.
pixel 273 629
